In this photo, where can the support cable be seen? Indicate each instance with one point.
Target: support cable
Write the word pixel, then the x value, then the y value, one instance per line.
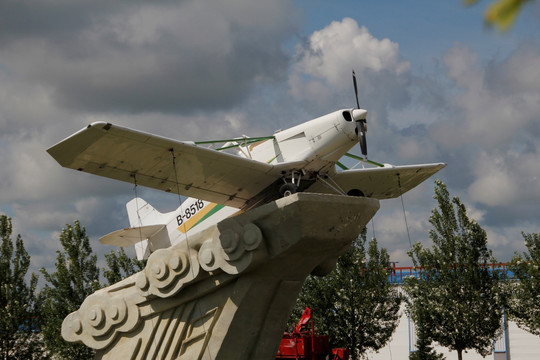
pixel 373 227
pixel 403 208
pixel 197 293
pixel 176 178
pixel 148 243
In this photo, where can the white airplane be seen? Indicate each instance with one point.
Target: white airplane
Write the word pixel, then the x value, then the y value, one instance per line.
pixel 219 184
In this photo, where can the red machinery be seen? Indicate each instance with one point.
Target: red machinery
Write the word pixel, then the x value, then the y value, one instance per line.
pixel 303 344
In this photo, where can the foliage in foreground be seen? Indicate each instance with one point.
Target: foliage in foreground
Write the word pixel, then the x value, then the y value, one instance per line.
pixel 502 13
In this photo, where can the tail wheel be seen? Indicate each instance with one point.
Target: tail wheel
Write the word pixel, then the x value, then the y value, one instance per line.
pixel 287 189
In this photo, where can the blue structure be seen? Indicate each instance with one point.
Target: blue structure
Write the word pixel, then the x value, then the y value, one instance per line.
pixel 399 274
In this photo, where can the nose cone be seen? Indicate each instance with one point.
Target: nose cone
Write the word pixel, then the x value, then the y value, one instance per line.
pixel 359 114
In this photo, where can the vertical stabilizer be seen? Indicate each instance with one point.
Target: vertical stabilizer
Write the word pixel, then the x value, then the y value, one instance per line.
pixel 141 213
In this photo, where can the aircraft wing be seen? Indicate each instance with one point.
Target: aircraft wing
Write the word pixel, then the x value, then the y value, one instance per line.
pixel 164 164
pixel 380 183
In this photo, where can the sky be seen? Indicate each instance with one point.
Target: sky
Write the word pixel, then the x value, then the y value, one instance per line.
pixel 439 86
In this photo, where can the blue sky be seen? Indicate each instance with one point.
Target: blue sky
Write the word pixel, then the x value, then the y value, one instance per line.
pixel 424 30
pixel 438 85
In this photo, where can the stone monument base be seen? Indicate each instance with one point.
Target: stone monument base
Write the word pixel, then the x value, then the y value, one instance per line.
pixel 228 291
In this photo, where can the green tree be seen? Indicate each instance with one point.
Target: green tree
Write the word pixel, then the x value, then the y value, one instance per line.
pixel 18 315
pixel 524 305
pixel 76 277
pixel 457 299
pixel 424 350
pixel 120 266
pixel 355 304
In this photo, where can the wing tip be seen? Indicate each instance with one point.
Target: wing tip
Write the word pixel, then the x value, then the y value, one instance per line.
pixel 103 124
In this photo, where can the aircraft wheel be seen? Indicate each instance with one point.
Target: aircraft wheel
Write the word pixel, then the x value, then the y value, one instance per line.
pixel 287 189
pixel 355 192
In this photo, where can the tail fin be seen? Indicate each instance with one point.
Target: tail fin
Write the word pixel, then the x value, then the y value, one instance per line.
pixel 141 213
pixel 148 230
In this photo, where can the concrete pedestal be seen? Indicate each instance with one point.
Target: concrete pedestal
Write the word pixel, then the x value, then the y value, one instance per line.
pixel 227 292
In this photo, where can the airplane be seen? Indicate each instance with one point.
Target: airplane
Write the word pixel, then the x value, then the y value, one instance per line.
pixel 220 184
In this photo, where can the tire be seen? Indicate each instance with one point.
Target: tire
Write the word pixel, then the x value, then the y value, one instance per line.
pixel 287 189
pixel 355 192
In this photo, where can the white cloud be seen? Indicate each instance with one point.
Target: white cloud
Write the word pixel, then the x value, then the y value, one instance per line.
pixel 323 69
pixel 503 180
pixel 495 103
pixel 496 239
pixel 413 148
pixel 159 56
pixel 342 46
pixel 520 73
pixel 493 185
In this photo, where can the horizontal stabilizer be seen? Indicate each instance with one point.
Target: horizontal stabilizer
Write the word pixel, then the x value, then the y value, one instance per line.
pixel 131 236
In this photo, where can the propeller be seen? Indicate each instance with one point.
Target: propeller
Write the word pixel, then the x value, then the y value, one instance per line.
pixel 361 124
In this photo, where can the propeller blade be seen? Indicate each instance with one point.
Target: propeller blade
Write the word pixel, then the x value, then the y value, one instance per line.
pixel 361 130
pixel 355 89
pixel 360 124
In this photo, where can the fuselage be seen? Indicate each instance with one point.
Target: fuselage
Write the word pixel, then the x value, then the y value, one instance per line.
pixel 317 143
pixel 313 147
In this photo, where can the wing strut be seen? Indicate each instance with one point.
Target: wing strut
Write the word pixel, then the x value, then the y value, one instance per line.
pixel 334 187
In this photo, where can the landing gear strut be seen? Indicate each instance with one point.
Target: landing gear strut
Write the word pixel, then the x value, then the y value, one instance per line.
pixel 290 188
